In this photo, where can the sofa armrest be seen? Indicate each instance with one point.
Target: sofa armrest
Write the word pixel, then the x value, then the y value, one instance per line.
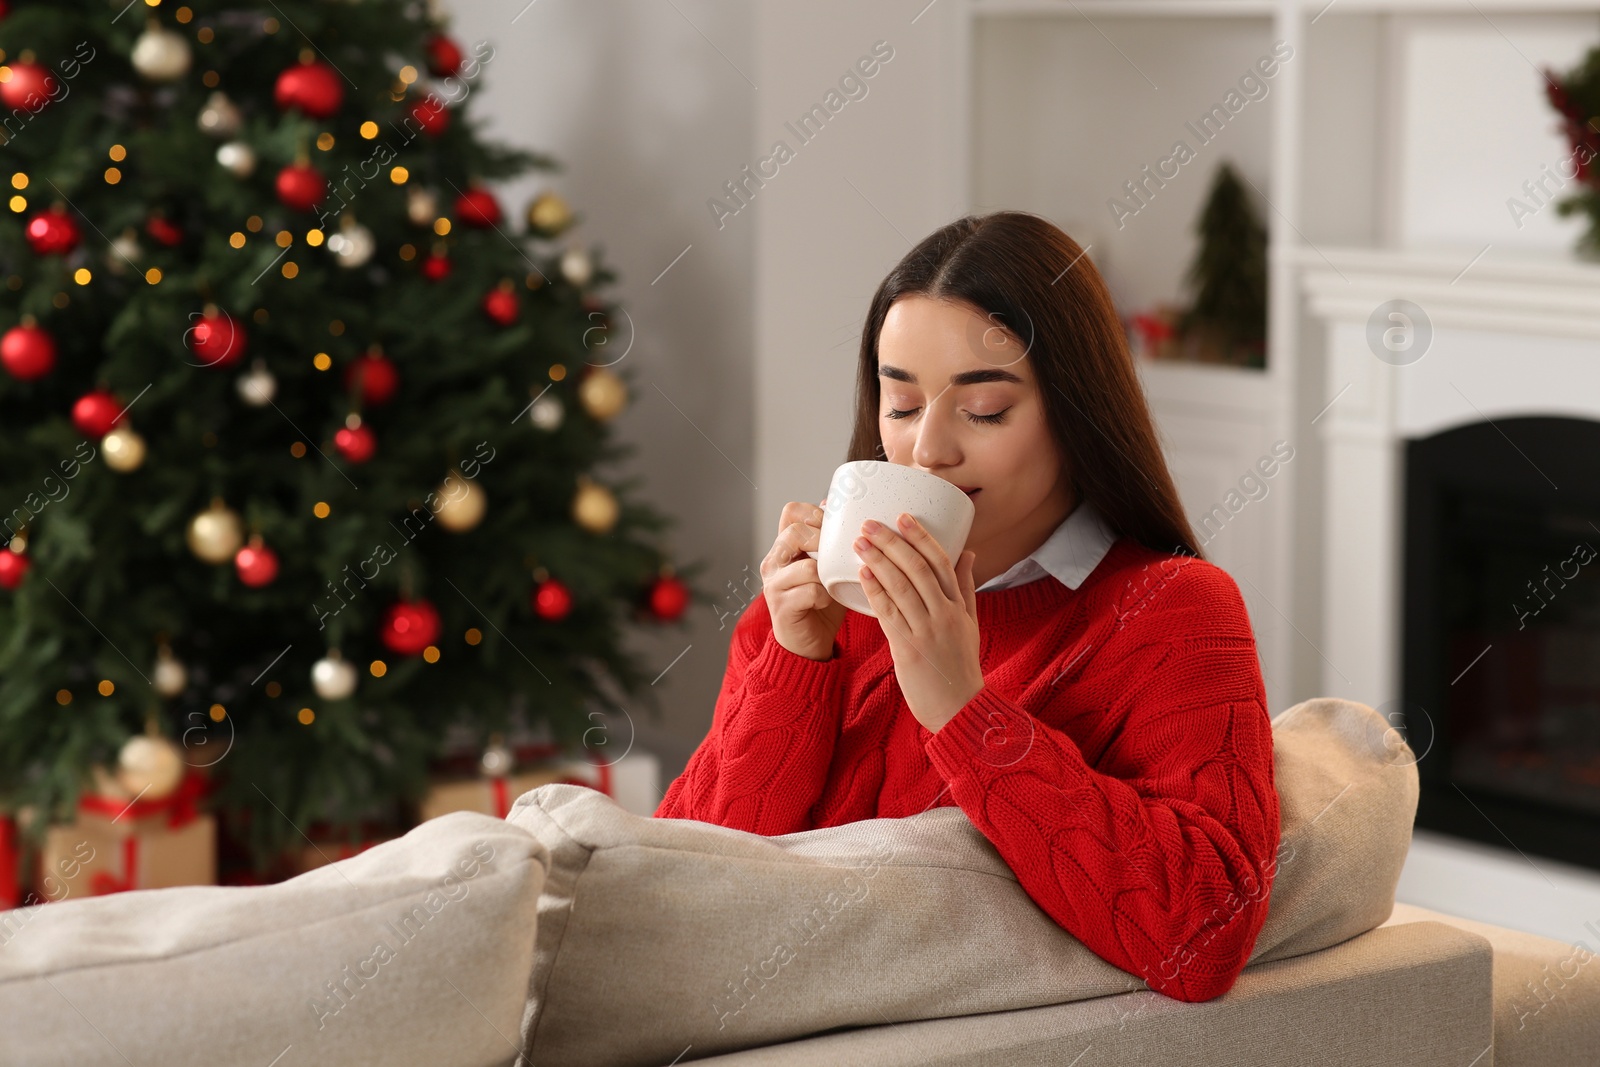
pixel 1414 995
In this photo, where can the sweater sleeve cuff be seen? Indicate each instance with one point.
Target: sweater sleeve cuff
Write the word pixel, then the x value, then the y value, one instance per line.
pixel 989 732
pixel 812 680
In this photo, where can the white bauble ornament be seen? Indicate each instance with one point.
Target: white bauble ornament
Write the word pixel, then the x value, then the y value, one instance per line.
pixel 353 245
pixel 160 55
pixel 547 413
pixel 257 386
pixel 238 157
pixel 422 205
pixel 216 533
pixel 149 767
pixel 169 677
pixel 220 117
pixel 124 449
pixel 333 677
pixel 497 759
pixel 462 504
pixel 124 252
pixel 576 267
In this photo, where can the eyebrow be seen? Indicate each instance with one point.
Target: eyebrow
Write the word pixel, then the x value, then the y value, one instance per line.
pixel 969 377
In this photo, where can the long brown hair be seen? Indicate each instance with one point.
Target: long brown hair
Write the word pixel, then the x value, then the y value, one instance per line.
pixel 1023 273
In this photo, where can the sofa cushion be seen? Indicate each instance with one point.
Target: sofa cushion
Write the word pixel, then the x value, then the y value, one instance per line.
pixel 414 951
pixel 661 938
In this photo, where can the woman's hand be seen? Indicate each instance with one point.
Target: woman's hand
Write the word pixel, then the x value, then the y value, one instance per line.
pixel 805 619
pixel 929 613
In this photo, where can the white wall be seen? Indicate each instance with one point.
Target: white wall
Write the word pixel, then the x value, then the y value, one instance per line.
pixel 638 102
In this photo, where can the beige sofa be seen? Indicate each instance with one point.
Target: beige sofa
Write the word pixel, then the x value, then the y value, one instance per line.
pixel 576 933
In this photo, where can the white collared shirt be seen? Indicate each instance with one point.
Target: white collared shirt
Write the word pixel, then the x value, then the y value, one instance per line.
pixel 1070 553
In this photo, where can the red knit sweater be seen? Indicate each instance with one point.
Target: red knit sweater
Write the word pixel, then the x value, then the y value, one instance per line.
pixel 1118 757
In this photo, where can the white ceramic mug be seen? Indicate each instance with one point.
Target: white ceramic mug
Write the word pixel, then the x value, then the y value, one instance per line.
pixel 876 489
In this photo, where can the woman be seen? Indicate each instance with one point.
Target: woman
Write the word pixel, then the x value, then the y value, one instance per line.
pixel 1080 681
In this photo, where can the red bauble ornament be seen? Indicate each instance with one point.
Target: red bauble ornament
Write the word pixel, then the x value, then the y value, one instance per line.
pixel 435 267
pixel 13 568
pixel 409 627
pixel 28 352
pixel 314 88
pixel 668 598
pixel 356 443
pixel 53 232
pixel 96 413
pixel 29 88
pixel 444 56
pixel 301 186
pixel 374 376
pixel 478 207
pixel 502 305
pixel 217 339
pixel 433 118
pixel 551 599
pixel 256 563
pixel 164 231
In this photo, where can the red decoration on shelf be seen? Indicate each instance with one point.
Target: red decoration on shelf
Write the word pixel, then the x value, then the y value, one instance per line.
pixel 436 267
pixel 409 627
pixel 217 339
pixel 97 413
pixel 53 232
pixel 374 376
pixel 668 598
pixel 444 56
pixel 13 568
pixel 551 599
pixel 256 563
pixel 164 230
pixel 478 207
pixel 502 305
pixel 29 88
pixel 301 186
pixel 433 118
pixel 28 352
pixel 356 443
pixel 314 88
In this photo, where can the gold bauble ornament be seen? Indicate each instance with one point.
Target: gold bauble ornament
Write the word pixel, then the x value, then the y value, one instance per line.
pixel 220 117
pixel 216 533
pixel 463 503
pixel 124 449
pixel 602 394
pixel 160 55
pixel 124 252
pixel 594 508
pixel 548 214
pixel 422 205
pixel 149 766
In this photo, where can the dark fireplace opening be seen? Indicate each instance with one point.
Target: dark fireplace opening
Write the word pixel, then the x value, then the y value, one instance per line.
pixel 1501 633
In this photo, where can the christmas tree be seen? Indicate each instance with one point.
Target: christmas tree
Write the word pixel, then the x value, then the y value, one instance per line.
pixel 302 435
pixel 1228 318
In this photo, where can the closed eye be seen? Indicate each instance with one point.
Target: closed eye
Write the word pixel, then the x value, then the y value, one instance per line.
pixel 989 420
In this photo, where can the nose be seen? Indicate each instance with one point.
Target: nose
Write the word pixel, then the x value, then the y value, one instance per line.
pixel 935 445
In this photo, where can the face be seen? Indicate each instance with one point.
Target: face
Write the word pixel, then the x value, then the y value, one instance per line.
pixel 959 400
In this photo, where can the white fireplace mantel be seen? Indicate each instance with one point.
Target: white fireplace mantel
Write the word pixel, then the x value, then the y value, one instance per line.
pixel 1511 336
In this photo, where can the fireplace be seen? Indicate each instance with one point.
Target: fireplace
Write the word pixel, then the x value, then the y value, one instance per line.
pixel 1500 632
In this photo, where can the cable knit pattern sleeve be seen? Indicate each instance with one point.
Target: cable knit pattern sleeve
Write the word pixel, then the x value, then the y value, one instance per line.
pixel 1158 856
pixel 765 760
